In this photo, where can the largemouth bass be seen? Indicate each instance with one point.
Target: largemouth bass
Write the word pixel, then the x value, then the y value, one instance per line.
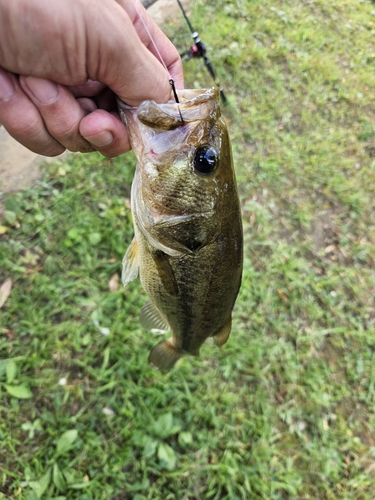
pixel 187 222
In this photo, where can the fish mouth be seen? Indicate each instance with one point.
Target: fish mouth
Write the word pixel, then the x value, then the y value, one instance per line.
pixel 193 105
pixel 192 96
pixel 158 128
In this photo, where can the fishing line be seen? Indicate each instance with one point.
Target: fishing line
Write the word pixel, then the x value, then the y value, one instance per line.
pixel 171 80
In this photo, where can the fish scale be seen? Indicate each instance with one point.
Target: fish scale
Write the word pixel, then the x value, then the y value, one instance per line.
pixel 188 243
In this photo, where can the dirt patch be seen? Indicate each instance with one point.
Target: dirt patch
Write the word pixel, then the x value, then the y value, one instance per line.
pixel 19 167
pixel 162 10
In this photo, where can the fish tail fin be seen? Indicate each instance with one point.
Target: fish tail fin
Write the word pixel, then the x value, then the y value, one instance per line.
pixel 164 355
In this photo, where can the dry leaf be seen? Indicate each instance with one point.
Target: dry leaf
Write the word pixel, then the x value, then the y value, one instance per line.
pixel 282 294
pixel 330 248
pixel 9 333
pixel 113 283
pixel 33 270
pixel 370 468
pixel 5 289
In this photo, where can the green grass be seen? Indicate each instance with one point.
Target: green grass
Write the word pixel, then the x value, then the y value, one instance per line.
pixel 286 409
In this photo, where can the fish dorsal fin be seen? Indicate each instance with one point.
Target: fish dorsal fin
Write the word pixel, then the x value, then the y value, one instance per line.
pixel 222 336
pixel 151 319
pixel 164 355
pixel 130 263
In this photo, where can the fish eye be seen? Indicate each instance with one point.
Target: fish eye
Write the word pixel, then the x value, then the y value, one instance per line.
pixel 206 160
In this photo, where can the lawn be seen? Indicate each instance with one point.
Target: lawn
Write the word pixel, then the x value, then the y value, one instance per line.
pixel 285 410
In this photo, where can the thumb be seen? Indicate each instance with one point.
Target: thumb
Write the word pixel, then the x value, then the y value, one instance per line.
pixel 71 41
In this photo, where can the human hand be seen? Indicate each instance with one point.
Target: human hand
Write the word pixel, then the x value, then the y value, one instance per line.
pixel 63 62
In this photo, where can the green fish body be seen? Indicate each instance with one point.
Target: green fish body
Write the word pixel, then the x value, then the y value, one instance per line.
pixel 187 222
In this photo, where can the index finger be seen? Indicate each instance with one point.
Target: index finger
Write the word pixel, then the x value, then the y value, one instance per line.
pixel 144 59
pixel 155 40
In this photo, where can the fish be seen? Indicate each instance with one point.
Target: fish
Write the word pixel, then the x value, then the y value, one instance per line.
pixel 188 237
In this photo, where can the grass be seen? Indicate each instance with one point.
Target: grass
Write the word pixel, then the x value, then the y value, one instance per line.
pixel 286 409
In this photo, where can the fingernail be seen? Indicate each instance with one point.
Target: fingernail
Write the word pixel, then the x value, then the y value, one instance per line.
pixel 7 86
pixel 43 90
pixel 100 140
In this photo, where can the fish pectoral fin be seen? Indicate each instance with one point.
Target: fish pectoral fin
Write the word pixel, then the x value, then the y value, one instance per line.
pixel 130 263
pixel 222 336
pixel 165 272
pixel 151 319
pixel 186 234
pixel 164 355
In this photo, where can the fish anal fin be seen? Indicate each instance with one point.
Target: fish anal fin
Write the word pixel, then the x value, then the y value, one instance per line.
pixel 151 319
pixel 130 263
pixel 164 355
pixel 222 336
